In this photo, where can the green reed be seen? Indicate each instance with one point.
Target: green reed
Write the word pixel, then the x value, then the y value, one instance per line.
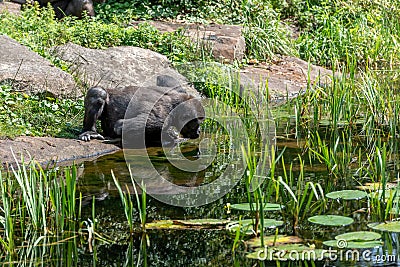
pixel 37 206
pixel 128 204
pixel 351 125
pixel 381 201
pixel 7 220
pixel 301 198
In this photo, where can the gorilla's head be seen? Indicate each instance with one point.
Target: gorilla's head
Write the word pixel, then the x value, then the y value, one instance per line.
pixel 188 116
pixel 87 5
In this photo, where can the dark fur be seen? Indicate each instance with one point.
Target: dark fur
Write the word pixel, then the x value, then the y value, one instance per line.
pixel 64 8
pixel 110 107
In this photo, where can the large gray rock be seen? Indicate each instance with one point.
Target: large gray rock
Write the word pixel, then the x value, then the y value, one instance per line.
pixel 13 8
pixel 30 72
pixel 225 41
pixel 286 77
pixel 117 66
pixel 48 150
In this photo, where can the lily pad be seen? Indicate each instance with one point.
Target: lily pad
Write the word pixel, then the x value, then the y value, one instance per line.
pixel 386 226
pixel 347 194
pixel 376 186
pixel 186 224
pixel 331 220
pixel 246 226
pixel 267 206
pixel 201 222
pixel 164 224
pixel 352 244
pixel 293 252
pixel 278 240
pixel 393 194
pixel 359 236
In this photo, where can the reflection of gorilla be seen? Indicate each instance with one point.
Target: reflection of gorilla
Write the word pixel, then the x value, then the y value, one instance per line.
pixel 155 107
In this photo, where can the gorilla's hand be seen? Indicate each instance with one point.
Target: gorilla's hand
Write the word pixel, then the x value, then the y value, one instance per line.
pixel 88 135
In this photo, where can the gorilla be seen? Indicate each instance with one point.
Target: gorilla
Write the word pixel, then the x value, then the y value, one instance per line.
pixel 72 8
pixel 67 7
pixel 153 112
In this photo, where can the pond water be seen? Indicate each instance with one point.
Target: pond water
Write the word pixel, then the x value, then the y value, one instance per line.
pixel 208 247
pixel 112 244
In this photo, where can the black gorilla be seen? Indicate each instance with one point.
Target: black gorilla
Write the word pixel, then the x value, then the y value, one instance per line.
pixel 67 7
pixel 155 110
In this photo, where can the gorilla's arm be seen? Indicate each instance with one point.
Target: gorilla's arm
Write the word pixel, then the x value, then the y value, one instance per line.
pixel 95 101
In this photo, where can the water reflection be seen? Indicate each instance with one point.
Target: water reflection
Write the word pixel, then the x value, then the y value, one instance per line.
pixel 96 180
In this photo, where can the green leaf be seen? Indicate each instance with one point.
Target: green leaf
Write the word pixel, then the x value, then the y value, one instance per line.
pixel 386 226
pixel 266 206
pixel 376 186
pixel 359 236
pixel 331 220
pixel 186 224
pixel 201 222
pixel 347 194
pixel 246 226
pixel 272 239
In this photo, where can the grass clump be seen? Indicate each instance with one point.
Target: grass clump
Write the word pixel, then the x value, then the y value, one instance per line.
pixel 37 29
pixel 352 31
pixel 35 200
pixel 329 32
pixel 38 115
pixel 264 32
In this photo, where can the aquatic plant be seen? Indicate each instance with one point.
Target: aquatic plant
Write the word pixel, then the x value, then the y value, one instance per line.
pixel 298 195
pixel 36 203
pixel 128 204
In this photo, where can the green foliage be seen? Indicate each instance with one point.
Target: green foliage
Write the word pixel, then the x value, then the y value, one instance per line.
pixel 35 202
pixel 366 32
pixel 264 33
pixel 329 32
pixel 38 115
pixel 38 29
pixel 352 31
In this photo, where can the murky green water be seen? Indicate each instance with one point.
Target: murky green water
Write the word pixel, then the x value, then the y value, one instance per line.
pixel 203 247
pixel 113 245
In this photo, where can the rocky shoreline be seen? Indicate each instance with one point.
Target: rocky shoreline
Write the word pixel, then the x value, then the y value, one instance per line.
pixel 121 66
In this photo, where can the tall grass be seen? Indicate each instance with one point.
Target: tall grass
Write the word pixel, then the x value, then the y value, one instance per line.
pixel 265 34
pixel 36 205
pixel 351 126
pixel 343 31
pixel 300 197
pixel 38 29
pixel 128 204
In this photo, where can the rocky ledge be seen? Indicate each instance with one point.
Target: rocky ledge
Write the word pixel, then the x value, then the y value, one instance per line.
pixel 48 151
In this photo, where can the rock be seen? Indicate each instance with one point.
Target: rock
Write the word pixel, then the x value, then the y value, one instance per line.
pixel 12 8
pixel 286 77
pixel 117 66
pixel 226 41
pixel 48 150
pixel 32 73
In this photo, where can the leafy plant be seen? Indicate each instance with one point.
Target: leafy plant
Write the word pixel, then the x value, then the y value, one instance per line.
pixel 38 115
